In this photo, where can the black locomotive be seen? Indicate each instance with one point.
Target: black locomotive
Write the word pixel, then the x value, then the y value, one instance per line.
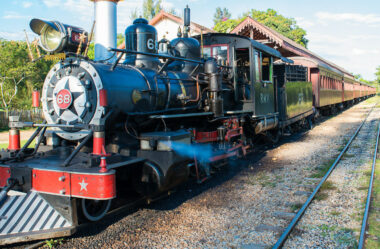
pixel 144 122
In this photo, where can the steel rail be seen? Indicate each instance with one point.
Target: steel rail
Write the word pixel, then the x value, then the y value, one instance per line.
pixel 300 213
pixel 368 203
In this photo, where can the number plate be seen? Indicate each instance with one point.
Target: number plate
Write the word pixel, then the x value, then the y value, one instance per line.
pixel 64 99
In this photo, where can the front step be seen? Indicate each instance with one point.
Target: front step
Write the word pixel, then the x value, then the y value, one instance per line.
pixel 26 217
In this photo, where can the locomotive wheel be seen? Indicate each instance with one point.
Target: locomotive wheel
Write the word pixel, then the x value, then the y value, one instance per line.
pixel 273 136
pixel 94 210
pixel 309 123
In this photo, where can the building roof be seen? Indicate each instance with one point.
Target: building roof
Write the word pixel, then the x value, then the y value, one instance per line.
pixel 194 26
pixel 289 48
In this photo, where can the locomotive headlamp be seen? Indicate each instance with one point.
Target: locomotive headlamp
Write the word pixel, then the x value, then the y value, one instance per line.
pixel 57 37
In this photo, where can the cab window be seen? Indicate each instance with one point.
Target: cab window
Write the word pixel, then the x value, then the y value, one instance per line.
pixel 266 68
pixel 257 66
pixel 219 52
pixel 263 67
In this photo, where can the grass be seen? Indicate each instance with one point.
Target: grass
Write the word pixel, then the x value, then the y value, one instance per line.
pixel 335 213
pixel 295 207
pixel 53 242
pixel 262 179
pixel 343 237
pixel 322 195
pixel 344 142
pixel 373 239
pixel 23 142
pixel 322 170
pixel 327 185
pixel 347 155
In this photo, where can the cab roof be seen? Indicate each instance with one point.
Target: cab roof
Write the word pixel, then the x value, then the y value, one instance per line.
pixel 255 44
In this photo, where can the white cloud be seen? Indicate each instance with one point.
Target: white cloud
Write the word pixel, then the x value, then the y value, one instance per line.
pixel 360 51
pixel 52 3
pixel 351 17
pixel 84 10
pixel 167 5
pixel 26 4
pixel 304 23
pixel 19 35
pixel 13 15
pixel 357 51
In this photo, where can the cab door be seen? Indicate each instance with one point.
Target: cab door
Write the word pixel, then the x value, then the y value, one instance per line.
pixel 263 83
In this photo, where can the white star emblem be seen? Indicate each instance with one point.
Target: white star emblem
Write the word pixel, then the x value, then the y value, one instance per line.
pixel 83 185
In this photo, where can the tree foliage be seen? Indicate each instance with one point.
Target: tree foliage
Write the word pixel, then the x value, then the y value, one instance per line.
pixel 227 26
pixel 134 14
pixel 151 8
pixel 270 18
pixel 360 78
pixel 221 15
pixel 18 75
pixel 377 74
pixel 285 26
pixel 91 48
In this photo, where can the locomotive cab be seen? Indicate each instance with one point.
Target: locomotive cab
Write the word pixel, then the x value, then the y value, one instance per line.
pixel 250 66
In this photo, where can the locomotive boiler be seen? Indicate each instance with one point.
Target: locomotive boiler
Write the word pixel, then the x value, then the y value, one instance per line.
pixel 139 121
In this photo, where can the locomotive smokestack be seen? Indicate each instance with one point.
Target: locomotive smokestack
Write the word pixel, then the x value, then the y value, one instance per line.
pixel 186 18
pixel 105 28
pixel 186 21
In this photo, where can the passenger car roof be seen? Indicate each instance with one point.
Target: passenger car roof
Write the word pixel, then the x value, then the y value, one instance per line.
pixel 315 63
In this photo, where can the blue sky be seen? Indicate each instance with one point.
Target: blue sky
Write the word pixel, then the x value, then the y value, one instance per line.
pixel 346 32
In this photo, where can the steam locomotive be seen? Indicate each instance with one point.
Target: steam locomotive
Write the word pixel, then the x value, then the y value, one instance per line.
pixel 142 119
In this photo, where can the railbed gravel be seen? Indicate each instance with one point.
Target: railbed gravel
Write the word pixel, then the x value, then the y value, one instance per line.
pixel 237 208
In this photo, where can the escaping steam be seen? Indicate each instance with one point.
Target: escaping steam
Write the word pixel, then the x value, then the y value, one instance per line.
pixel 203 152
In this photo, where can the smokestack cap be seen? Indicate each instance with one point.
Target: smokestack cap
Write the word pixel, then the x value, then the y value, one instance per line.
pixel 140 21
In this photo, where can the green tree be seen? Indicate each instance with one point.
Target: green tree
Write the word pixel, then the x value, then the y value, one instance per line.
pixel 91 48
pixel 151 8
pixel 221 15
pixel 134 14
pixel 227 26
pixel 377 73
pixel 18 75
pixel 285 26
pixel 360 78
pixel 270 18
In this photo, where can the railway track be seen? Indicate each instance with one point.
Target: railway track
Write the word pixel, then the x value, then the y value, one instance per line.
pixel 286 233
pixel 368 201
